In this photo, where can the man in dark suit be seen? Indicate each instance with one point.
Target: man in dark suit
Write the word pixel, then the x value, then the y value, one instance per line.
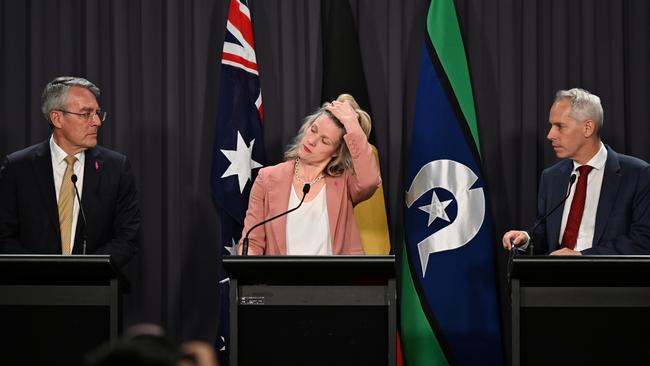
pixel 607 211
pixel 39 212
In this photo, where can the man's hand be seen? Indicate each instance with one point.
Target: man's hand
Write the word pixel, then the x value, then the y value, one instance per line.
pixel 566 251
pixel 515 237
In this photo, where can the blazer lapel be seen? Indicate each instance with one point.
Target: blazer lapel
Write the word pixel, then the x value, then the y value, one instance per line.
pixel 45 180
pixel 279 188
pixel 91 189
pixel 608 193
pixel 93 169
pixel 557 193
pixel 334 189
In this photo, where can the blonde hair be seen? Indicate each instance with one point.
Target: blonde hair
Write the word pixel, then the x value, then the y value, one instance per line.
pixel 342 159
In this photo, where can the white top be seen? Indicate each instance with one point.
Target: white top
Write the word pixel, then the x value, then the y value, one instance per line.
pixel 58 169
pixel 594 183
pixel 308 228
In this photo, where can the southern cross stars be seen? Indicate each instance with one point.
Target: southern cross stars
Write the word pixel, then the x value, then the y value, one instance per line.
pixel 241 162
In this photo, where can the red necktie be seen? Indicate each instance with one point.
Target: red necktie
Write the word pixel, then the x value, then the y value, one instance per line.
pixel 577 208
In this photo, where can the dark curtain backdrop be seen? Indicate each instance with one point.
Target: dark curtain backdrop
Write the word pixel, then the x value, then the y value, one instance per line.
pixel 157 65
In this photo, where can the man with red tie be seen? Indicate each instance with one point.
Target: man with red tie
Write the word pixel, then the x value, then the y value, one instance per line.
pixel 607 211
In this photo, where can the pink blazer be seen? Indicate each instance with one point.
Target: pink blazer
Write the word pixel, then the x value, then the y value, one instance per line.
pixel 270 196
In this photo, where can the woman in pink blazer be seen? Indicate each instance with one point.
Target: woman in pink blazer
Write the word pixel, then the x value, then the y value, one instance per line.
pixel 331 153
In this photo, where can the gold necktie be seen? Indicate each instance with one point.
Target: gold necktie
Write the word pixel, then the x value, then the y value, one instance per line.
pixel 66 204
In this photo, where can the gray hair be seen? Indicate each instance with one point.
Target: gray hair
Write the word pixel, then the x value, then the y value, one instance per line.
pixel 584 105
pixel 56 91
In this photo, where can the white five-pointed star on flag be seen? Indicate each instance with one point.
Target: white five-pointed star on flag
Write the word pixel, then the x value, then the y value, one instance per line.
pixel 436 209
pixel 241 163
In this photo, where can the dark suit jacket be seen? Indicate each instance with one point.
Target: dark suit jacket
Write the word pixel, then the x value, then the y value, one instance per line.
pixel 29 221
pixel 623 214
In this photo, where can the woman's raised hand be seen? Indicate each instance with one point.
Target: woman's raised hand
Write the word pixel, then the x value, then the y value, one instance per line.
pixel 344 112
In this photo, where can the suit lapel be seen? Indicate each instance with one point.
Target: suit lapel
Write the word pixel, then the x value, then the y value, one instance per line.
pixel 91 188
pixel 608 193
pixel 45 181
pixel 334 186
pixel 557 194
pixel 93 169
pixel 279 188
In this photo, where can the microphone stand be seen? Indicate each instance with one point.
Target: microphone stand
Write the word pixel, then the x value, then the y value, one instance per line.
pixel 531 245
pixel 305 190
pixel 83 214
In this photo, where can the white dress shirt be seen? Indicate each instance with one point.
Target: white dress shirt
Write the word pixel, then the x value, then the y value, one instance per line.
pixel 594 184
pixel 58 169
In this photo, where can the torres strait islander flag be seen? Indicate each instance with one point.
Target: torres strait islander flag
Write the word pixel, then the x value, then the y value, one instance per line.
pixel 449 313
pixel 238 145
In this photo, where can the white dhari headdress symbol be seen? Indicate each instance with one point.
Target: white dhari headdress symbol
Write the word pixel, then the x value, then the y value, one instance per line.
pixel 457 179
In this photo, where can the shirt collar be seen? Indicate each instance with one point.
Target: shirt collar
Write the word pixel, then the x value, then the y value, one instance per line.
pixel 597 161
pixel 58 155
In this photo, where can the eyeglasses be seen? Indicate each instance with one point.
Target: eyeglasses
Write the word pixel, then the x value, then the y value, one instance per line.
pixel 88 116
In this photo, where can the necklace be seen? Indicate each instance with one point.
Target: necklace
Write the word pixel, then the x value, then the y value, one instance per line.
pixel 299 177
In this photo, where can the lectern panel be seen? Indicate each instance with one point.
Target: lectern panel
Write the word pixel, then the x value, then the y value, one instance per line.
pixel 313 335
pixel 299 310
pixel 51 335
pixel 313 295
pixel 54 309
pixel 585 336
pixel 581 310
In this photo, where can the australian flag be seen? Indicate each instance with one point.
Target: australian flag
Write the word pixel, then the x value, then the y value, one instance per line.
pixel 238 146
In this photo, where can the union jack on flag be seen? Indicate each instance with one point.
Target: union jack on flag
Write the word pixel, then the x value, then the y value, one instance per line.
pixel 238 144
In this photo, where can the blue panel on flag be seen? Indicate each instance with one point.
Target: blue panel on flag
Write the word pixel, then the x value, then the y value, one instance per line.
pixel 237 114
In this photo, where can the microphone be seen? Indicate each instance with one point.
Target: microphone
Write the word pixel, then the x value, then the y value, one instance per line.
pixel 81 208
pixel 305 190
pixel 539 220
pixel 531 244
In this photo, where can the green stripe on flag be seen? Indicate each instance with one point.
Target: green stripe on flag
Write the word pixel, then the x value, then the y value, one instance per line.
pixel 419 343
pixel 444 32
